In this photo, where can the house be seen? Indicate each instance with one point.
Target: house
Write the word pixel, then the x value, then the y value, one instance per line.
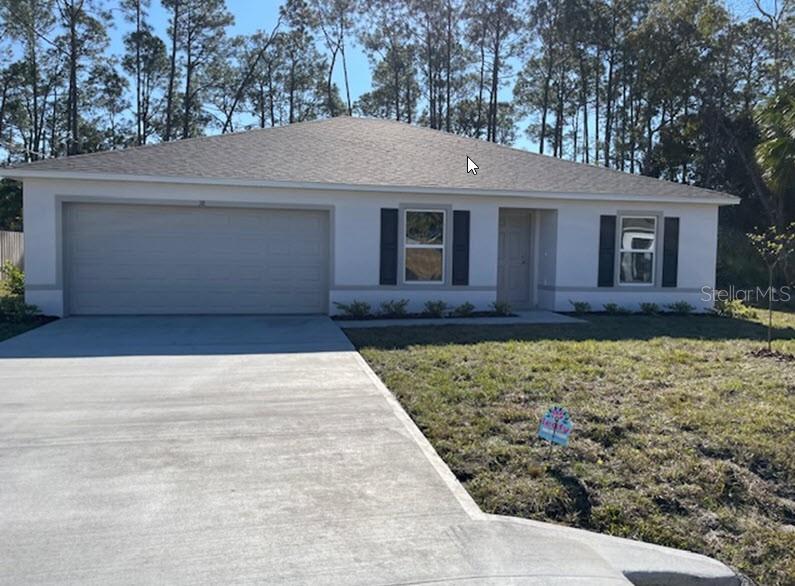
pixel 299 218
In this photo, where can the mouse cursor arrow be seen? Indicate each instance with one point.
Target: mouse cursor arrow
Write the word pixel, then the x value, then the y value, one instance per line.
pixel 471 166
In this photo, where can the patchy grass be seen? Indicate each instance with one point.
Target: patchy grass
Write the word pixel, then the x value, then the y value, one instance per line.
pixel 683 435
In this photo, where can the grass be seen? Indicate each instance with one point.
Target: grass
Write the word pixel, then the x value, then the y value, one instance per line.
pixel 683 437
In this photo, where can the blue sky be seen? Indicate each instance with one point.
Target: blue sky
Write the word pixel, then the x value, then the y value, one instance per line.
pixel 253 15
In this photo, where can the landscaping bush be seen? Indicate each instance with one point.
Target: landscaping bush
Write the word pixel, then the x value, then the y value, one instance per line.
pixel 616 309
pixel 501 308
pixel 14 277
pixel 580 306
pixel 395 308
pixel 435 308
pixel 650 308
pixel 14 309
pixel 680 307
pixel 355 309
pixel 466 309
pixel 734 309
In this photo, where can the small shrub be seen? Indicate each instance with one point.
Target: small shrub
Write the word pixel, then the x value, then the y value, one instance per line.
pixel 650 308
pixel 734 308
pixel 680 307
pixel 435 308
pixel 616 309
pixel 355 309
pixel 14 281
pixel 580 306
pixel 502 308
pixel 395 308
pixel 14 309
pixel 466 309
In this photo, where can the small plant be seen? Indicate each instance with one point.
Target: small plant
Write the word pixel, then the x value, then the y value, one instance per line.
pixel 14 309
pixel 14 278
pixel 734 308
pixel 502 308
pixel 580 306
pixel 680 307
pixel 435 308
pixel 394 308
pixel 616 309
pixel 774 247
pixel 650 308
pixel 466 309
pixel 355 309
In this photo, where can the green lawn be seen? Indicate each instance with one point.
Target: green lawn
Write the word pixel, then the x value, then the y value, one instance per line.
pixel 682 437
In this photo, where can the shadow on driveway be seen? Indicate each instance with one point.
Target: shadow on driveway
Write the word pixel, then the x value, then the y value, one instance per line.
pixel 178 336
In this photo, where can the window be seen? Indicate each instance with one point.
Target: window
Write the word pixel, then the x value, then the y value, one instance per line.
pixel 424 246
pixel 637 250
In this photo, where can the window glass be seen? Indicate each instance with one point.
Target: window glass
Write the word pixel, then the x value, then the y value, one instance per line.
pixel 424 264
pixel 424 227
pixel 424 246
pixel 637 233
pixel 636 261
pixel 636 267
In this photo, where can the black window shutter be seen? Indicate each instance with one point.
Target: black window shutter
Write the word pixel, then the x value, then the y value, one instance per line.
pixel 389 247
pixel 461 247
pixel 670 252
pixel 607 251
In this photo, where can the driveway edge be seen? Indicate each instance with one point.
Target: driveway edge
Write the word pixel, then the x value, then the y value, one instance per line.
pixel 447 476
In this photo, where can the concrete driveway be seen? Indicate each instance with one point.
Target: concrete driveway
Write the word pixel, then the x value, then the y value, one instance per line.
pixel 246 449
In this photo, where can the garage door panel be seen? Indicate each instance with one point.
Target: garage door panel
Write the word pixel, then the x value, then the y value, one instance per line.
pixel 175 259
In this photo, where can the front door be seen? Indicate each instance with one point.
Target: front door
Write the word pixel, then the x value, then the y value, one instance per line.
pixel 513 274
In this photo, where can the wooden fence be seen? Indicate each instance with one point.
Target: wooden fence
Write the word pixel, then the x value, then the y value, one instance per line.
pixel 11 248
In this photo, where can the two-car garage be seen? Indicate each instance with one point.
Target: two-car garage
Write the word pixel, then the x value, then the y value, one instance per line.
pixel 191 259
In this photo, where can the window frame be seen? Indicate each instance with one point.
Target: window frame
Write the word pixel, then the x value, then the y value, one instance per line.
pixel 405 245
pixel 620 250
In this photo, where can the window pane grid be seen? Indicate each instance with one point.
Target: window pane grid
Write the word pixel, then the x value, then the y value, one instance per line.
pixel 423 245
pixel 637 250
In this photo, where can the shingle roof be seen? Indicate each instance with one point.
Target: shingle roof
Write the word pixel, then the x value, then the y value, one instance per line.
pixel 365 152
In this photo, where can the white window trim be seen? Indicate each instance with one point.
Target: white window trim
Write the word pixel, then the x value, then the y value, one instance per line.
pixel 653 250
pixel 442 246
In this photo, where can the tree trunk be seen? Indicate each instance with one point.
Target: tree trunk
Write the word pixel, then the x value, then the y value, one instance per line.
pixel 138 118
pixel 271 95
pixel 495 75
pixel 584 102
pixel 172 74
pixel 186 107
pixel 609 109
pixel 329 85
pixel 449 64
pixel 770 308
pixel 481 85
pixel 596 77
pixel 74 130
pixel 345 66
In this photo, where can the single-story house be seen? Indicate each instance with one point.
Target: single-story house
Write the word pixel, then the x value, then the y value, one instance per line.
pixel 299 218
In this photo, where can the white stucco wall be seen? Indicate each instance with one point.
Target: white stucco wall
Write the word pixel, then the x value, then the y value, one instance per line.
pixel 566 243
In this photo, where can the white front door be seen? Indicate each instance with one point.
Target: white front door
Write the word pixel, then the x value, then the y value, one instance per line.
pixel 513 275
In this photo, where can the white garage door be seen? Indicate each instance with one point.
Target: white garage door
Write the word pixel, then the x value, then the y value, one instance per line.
pixel 141 259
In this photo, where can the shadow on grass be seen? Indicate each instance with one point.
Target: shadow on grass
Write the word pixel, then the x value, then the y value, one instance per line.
pixel 599 327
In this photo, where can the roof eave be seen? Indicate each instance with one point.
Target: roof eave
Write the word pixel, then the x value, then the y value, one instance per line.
pixel 21 174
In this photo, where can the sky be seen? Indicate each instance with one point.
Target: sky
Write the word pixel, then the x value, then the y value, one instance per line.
pixel 253 15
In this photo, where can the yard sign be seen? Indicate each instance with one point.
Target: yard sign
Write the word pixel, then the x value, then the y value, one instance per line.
pixel 556 426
